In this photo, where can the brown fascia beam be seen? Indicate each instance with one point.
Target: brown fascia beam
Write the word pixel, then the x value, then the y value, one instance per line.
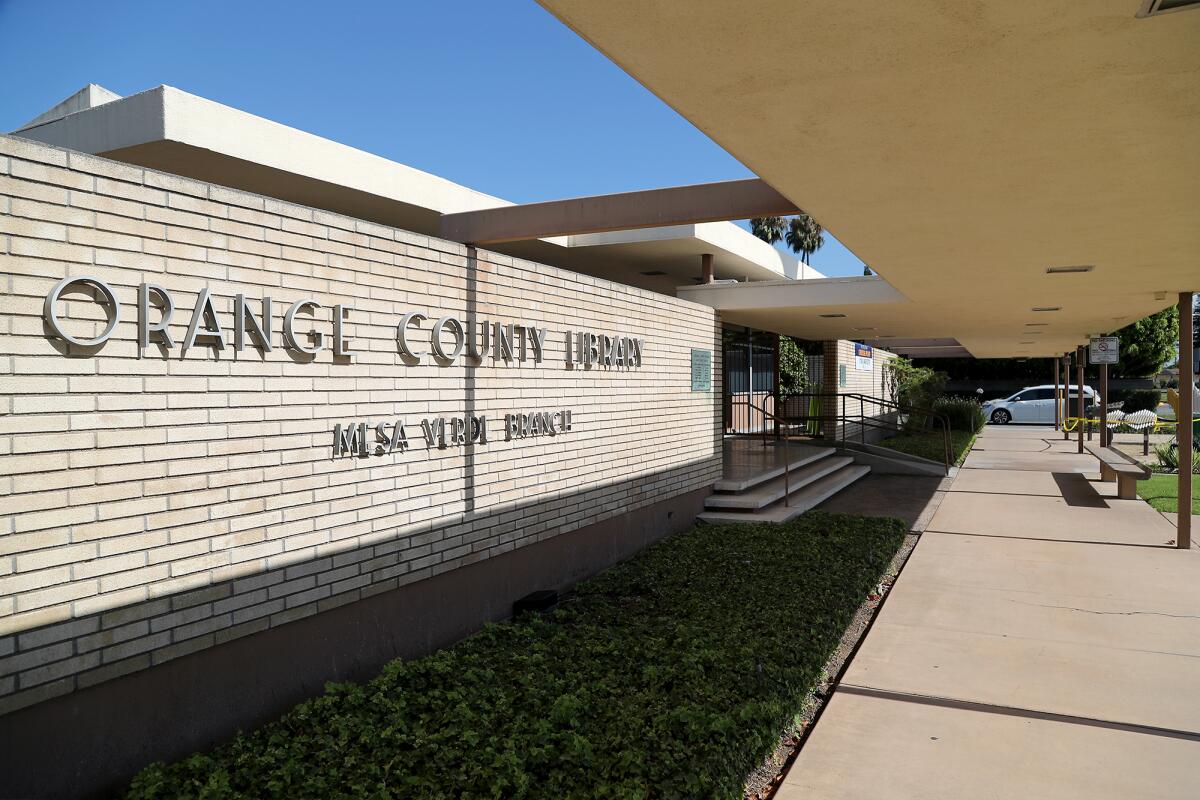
pixel 654 208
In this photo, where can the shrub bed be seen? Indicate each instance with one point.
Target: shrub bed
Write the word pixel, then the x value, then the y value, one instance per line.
pixel 670 675
pixel 963 413
pixel 931 445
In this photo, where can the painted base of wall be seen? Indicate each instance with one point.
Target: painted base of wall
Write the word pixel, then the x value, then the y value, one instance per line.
pixel 91 742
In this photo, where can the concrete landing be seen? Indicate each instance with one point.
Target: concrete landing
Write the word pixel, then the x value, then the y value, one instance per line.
pixel 1042 641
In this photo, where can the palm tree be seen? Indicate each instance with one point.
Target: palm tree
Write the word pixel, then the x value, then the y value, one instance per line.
pixel 802 233
pixel 769 229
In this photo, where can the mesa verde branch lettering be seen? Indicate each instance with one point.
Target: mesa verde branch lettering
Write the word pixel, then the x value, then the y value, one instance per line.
pixel 384 438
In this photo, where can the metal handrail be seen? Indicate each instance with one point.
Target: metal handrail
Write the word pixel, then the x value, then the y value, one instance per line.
pixel 845 418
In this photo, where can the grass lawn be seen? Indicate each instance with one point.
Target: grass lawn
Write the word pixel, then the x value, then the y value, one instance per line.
pixel 929 444
pixel 1162 492
pixel 670 675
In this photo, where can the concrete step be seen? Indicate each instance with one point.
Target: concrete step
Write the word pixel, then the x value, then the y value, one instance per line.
pixel 764 494
pixel 811 495
pixel 805 454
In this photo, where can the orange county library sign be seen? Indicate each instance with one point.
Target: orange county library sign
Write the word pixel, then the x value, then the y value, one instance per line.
pixel 420 338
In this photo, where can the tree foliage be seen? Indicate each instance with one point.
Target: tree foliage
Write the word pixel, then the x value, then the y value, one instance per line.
pixel 793 367
pixel 918 387
pixel 803 234
pixel 1147 344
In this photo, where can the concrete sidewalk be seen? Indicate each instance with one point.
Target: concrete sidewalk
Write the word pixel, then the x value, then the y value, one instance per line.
pixel 1042 641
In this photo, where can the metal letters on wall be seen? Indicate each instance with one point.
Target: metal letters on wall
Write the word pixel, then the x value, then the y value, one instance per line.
pixel 442 343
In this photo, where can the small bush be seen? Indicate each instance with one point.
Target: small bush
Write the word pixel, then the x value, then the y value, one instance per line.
pixel 964 413
pixel 1168 458
pixel 1140 400
pixel 671 675
pixel 918 387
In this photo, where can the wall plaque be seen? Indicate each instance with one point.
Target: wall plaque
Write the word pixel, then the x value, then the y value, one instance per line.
pixel 701 370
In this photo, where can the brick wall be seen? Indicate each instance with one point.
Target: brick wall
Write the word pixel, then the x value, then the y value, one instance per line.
pixel 840 354
pixel 156 506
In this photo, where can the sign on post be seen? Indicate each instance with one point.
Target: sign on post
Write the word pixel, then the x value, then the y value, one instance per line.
pixel 1103 350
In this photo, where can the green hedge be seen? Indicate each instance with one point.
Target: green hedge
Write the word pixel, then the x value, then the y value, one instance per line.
pixel 932 445
pixel 670 675
pixel 1140 400
pixel 964 413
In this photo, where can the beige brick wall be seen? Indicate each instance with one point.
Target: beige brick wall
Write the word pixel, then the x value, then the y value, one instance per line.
pixel 871 383
pixel 154 506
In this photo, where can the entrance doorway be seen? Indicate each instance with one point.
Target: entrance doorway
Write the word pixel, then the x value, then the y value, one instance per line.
pixel 751 360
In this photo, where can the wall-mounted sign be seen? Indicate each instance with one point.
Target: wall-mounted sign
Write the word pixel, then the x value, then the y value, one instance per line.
pixel 701 370
pixel 1104 349
pixel 386 437
pixel 864 357
pixel 442 342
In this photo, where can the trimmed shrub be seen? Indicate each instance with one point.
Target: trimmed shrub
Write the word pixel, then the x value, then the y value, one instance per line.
pixel 1140 400
pixel 964 413
pixel 670 675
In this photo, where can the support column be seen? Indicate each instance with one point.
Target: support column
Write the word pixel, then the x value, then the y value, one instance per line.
pixel 829 391
pixel 1079 393
pixel 1057 396
pixel 706 268
pixel 1183 538
pixel 750 409
pixel 1066 404
pixel 1104 432
pixel 778 403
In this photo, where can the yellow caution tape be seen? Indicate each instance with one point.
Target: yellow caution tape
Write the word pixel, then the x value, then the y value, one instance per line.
pixel 1071 423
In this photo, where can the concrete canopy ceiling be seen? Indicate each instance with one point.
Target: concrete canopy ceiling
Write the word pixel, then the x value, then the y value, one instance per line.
pixel 959 148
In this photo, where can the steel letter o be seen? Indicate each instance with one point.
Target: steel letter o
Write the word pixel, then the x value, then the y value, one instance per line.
pixel 113 312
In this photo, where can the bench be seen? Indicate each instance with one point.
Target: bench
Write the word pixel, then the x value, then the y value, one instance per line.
pixel 1115 465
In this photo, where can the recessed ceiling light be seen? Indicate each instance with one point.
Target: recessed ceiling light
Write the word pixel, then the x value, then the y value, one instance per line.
pixel 1074 268
pixel 654 272
pixel 832 316
pixel 1047 308
pixel 1152 8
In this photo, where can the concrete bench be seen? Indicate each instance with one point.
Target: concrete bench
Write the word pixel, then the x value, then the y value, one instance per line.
pixel 1115 465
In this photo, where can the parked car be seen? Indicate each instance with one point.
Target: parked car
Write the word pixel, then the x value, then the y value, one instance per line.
pixel 1033 404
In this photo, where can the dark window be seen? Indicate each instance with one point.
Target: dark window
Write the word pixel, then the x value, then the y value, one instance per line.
pixel 1042 394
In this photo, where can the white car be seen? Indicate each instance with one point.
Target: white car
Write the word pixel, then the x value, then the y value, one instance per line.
pixel 1033 404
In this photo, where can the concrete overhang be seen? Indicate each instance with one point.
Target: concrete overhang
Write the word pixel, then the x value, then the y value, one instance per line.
pixel 171 130
pixel 960 149
pixel 872 310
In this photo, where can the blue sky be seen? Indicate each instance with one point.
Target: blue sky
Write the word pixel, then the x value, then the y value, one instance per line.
pixel 498 96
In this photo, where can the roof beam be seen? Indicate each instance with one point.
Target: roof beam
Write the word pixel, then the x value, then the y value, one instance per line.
pixel 654 208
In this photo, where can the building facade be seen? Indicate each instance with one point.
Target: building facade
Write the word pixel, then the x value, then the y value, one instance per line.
pixel 251 446
pixel 262 428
